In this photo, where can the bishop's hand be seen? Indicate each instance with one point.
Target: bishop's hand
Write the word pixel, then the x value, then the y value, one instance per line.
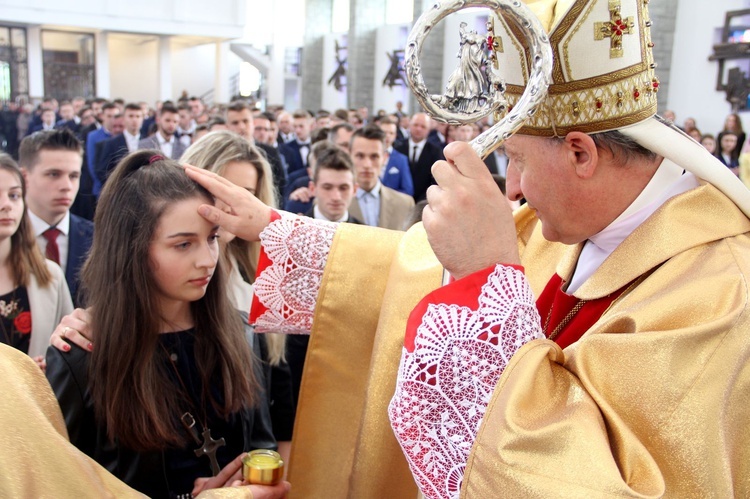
pixel 239 212
pixel 468 220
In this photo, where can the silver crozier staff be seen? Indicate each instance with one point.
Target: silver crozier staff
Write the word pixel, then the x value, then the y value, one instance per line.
pixel 476 89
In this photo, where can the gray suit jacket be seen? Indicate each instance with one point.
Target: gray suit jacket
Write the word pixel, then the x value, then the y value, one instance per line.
pixel 151 143
pixel 395 208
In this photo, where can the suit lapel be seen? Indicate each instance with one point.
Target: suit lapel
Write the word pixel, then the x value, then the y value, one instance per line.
pixel 355 211
pixel 386 211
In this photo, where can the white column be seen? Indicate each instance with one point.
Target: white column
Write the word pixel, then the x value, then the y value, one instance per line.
pixel 165 68
pixel 275 77
pixel 34 60
pixel 101 58
pixel 221 74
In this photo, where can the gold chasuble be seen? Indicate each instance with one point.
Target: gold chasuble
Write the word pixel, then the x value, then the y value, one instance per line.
pixel 343 443
pixel 652 401
pixel 37 459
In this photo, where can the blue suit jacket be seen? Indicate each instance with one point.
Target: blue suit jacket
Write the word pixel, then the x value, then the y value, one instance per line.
pixel 79 243
pixel 297 207
pixel 293 157
pixel 397 175
pixel 113 150
pixel 92 139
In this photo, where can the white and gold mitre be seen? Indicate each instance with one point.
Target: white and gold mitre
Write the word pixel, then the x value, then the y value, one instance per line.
pixel 603 79
pixel 603 75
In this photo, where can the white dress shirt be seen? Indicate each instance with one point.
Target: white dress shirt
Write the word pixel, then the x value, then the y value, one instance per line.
pixel 131 140
pixel 164 145
pixel 414 156
pixel 318 215
pixel 369 203
pixel 63 226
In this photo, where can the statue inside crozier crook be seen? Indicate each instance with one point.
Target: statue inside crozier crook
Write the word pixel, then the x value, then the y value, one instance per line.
pixel 473 82
pixel 476 89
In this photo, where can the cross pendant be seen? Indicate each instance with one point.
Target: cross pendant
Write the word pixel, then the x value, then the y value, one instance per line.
pixel 209 448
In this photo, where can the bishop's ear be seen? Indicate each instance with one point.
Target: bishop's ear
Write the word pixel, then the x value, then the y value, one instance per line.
pixel 582 153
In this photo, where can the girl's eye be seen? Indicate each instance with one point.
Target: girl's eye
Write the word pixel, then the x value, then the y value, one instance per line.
pixel 14 196
pixel 184 245
pixel 213 238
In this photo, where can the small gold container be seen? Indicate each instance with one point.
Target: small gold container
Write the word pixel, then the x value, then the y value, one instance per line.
pixel 263 467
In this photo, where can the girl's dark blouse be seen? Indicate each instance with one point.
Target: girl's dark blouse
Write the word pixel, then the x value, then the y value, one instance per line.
pixel 171 472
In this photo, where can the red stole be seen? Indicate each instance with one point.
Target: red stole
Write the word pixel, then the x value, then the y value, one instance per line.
pixel 556 309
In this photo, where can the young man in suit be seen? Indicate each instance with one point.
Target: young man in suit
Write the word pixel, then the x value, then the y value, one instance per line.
pixel 422 154
pixel 375 204
pixel 116 148
pixel 299 148
pixel 164 139
pixel 396 174
pixel 51 165
pixel 240 121
pixel 341 135
pixel 333 187
pixel 46 121
pixel 108 114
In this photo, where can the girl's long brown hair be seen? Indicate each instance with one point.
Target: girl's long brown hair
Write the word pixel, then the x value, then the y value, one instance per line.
pixel 25 258
pixel 129 378
pixel 213 152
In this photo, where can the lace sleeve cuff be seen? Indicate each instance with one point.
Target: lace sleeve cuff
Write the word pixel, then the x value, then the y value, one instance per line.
pixel 294 251
pixel 459 340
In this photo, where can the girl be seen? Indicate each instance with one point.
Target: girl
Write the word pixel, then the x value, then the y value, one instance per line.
pixel 172 371
pixel 235 159
pixel 733 124
pixel 33 293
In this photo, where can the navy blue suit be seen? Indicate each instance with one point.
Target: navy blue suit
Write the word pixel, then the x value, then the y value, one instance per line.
pixel 297 207
pixel 79 242
pixel 70 125
pixel 421 171
pixel 293 157
pixel 397 175
pixel 113 150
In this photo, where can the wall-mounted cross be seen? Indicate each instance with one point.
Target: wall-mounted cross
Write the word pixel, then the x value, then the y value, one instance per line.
pixel 614 29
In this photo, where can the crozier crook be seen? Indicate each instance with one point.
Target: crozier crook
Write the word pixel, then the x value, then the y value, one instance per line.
pixel 475 89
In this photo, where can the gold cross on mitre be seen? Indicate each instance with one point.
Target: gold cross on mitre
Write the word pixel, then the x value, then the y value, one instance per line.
pixel 494 42
pixel 614 29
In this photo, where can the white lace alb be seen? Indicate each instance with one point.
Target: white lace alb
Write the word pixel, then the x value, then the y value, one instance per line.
pixel 445 384
pixel 298 248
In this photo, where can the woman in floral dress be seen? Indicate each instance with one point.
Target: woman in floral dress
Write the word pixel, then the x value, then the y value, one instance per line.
pixel 33 293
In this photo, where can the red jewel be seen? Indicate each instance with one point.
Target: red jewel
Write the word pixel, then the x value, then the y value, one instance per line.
pixel 599 104
pixel 490 40
pixel 656 84
pixel 636 94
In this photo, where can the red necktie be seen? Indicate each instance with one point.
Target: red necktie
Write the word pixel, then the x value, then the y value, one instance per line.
pixel 53 251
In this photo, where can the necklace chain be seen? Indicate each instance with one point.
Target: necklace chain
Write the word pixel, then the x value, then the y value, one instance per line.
pixel 561 325
pixel 204 422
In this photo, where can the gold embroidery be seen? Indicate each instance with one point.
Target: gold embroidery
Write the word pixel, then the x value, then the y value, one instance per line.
pixel 614 29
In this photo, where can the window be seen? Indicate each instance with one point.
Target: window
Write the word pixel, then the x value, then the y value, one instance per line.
pixel 69 69
pixel 14 70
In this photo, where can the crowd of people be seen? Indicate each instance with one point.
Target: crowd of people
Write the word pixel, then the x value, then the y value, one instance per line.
pixel 592 342
pixel 729 145
pixel 114 166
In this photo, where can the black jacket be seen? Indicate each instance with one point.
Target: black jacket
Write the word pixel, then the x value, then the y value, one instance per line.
pixel 146 472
